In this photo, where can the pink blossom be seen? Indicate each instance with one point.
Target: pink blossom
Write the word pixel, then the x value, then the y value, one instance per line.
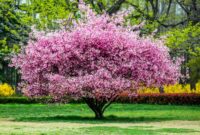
pixel 96 59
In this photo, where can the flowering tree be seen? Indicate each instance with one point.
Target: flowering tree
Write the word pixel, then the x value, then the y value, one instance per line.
pixel 95 61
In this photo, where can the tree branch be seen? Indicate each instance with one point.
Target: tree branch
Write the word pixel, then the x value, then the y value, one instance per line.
pixel 185 9
pixel 110 102
pixel 115 7
pixel 148 17
pixel 194 4
pixel 169 6
pixel 172 25
pixel 101 6
pixel 154 7
pixel 92 3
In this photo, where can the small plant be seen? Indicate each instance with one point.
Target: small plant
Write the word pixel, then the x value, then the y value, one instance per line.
pixel 6 90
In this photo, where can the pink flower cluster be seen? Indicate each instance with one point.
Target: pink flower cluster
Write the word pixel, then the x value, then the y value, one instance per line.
pixel 97 59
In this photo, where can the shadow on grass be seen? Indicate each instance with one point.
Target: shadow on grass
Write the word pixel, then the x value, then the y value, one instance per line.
pixel 81 119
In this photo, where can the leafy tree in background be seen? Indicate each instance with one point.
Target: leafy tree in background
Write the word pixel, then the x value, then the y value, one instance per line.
pixel 13 33
pixel 13 30
pixel 45 14
pixel 186 42
pixel 158 14
pixel 191 9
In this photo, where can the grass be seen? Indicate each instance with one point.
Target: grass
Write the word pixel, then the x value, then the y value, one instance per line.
pixel 119 119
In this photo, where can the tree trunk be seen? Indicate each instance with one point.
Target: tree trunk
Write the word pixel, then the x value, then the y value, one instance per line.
pixel 96 107
pixel 99 106
pixel 161 89
pixel 192 85
pixel 99 115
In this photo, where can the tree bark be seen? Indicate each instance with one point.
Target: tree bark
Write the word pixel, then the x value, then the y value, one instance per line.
pixel 96 107
pixel 99 106
pixel 99 115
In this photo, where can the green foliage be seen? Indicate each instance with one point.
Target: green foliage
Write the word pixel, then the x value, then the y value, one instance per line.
pixel 45 13
pixel 13 30
pixel 186 42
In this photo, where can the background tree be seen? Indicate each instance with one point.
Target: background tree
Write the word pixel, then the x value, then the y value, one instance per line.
pixel 13 33
pixel 185 42
pixel 158 14
pixel 46 14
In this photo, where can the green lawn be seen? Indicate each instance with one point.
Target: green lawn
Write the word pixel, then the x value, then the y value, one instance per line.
pixel 119 119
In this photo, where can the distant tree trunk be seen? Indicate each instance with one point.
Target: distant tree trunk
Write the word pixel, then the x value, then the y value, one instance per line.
pixel 192 84
pixel 161 89
pixel 192 80
pixel 184 69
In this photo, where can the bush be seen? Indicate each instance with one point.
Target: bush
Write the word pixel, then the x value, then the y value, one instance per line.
pixel 6 90
pixel 172 89
pixel 23 100
pixel 19 100
pixel 176 99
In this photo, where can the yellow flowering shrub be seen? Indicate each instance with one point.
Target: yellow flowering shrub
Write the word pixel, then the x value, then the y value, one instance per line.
pixel 6 90
pixel 148 90
pixel 172 89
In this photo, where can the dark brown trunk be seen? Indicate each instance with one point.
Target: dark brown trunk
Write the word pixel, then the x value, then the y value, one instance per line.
pixel 99 106
pixel 96 107
pixel 99 115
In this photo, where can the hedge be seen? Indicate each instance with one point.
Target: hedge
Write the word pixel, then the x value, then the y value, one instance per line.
pixel 175 99
pixel 25 100
pixel 18 100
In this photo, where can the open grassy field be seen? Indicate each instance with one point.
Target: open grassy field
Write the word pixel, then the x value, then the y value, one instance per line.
pixel 121 119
